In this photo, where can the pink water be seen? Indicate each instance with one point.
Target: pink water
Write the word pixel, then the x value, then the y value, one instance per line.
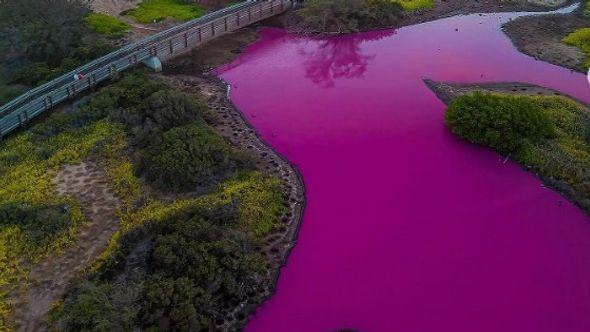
pixel 408 228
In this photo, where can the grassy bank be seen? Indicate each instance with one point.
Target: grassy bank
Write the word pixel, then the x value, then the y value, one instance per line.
pixel 580 39
pixel 107 25
pixel 149 11
pixel 346 16
pixel 548 135
pixel 195 213
pixel 415 4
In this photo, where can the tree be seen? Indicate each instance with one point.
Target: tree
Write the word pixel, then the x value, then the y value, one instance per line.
pixel 43 30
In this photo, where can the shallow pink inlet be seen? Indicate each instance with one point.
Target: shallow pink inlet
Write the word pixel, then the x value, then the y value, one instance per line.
pixel 408 228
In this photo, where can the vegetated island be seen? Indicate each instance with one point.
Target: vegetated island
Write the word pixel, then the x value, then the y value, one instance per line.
pixel 544 131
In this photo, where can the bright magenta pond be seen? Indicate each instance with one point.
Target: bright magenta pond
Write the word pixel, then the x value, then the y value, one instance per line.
pixel 408 228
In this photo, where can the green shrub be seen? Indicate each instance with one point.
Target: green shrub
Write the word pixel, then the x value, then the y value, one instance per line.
pixel 9 91
pixel 187 158
pixel 38 223
pixel 169 109
pixel 505 123
pixel 415 4
pixel 344 16
pixel 548 135
pixel 200 265
pixel 106 25
pixel 149 11
pixel 580 39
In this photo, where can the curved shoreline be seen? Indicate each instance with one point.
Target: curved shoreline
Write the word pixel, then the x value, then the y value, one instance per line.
pixel 447 92
pixel 232 125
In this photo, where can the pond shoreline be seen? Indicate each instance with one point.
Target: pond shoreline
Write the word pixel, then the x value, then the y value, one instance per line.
pixel 233 126
pixel 447 92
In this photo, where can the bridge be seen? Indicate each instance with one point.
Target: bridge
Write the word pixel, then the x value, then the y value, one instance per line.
pixel 149 51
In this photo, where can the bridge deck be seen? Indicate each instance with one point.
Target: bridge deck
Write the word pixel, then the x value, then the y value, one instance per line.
pixel 163 45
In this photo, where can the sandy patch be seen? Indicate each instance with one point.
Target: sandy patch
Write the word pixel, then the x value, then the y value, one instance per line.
pixel 49 279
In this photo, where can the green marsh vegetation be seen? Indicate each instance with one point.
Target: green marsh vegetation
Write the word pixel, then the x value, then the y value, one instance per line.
pixel 107 25
pixel 150 11
pixel 548 135
pixel 581 39
pixel 345 16
pixel 183 257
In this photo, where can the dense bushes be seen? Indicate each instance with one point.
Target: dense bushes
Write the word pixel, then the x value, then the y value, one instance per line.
pixel 549 135
pixel 505 123
pixel 189 157
pixel 149 11
pixel 179 266
pixel 38 223
pixel 343 16
pixel 42 39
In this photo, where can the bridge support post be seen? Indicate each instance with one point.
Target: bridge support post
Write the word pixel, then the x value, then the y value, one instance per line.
pixel 153 63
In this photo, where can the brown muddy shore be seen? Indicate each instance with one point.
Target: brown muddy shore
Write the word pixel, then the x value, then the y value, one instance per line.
pixel 447 8
pixel 541 37
pixel 192 74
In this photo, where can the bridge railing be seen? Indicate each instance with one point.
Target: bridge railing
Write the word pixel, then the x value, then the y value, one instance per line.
pixel 163 45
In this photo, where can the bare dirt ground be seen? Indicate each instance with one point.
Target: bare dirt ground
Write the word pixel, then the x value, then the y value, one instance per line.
pixel 191 74
pixel 449 91
pixel 446 8
pixel 49 279
pixel 540 37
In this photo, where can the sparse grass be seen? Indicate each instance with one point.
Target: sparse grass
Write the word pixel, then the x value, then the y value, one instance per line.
pixel 580 39
pixel 107 25
pixel 149 11
pixel 561 156
pixel 415 4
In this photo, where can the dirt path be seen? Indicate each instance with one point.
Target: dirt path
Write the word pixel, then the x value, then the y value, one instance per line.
pixel 49 279
pixel 449 91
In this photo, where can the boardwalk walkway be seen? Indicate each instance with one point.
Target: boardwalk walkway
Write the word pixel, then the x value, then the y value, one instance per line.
pixel 149 51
